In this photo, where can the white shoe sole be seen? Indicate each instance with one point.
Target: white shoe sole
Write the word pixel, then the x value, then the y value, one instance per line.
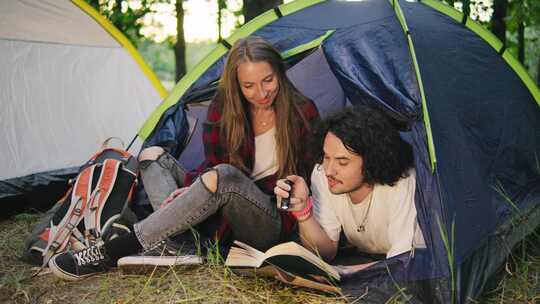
pixel 145 264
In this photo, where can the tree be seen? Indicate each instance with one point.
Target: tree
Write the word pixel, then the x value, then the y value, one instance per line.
pixel 498 22
pixel 522 14
pixel 253 8
pixel 180 45
pixel 221 6
pixel 125 16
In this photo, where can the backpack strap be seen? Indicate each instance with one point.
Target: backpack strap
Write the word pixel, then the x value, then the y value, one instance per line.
pixel 105 184
pixel 59 234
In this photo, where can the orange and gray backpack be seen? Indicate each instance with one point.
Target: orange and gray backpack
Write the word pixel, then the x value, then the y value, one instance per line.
pixel 94 206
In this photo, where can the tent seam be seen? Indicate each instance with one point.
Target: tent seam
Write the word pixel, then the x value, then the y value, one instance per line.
pixel 395 6
pixel 63 43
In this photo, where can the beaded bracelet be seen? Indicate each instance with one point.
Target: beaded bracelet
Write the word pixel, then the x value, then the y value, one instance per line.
pixel 305 211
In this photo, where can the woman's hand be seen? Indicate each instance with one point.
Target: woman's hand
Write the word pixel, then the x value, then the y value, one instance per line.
pixel 172 196
pixel 298 192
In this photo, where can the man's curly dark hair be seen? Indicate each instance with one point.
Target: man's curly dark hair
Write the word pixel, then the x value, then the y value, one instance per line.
pixel 369 133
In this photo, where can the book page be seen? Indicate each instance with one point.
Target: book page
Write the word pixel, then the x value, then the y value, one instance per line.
pixel 244 256
pixel 289 256
pixel 294 249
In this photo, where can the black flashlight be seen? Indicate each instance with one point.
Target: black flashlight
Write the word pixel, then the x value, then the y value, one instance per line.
pixel 286 201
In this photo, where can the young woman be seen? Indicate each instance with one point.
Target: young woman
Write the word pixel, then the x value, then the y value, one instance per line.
pixel 252 137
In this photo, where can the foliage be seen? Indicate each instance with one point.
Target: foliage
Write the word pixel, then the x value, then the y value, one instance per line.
pixel 126 15
pixel 525 12
pixel 532 49
pixel 160 56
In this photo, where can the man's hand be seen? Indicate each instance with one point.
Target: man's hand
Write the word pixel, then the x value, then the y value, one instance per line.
pixel 298 193
pixel 172 196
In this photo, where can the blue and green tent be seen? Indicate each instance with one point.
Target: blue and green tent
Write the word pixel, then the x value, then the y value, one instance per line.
pixel 467 107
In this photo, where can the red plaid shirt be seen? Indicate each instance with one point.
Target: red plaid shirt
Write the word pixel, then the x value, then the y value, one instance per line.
pixel 216 153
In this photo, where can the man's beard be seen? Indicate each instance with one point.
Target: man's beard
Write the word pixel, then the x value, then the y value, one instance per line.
pixel 352 188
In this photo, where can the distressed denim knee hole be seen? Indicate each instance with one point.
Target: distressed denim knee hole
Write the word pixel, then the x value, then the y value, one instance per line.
pixel 204 184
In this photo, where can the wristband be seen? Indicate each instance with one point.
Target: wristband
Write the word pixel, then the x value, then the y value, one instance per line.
pixel 305 211
pixel 300 220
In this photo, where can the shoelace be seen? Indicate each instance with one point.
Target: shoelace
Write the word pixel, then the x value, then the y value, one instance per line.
pixel 91 255
pixel 162 248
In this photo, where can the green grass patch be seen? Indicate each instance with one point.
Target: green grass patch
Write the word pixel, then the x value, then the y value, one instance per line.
pixel 518 281
pixel 209 283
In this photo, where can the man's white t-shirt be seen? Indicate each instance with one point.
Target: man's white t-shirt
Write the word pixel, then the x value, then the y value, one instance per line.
pixel 390 226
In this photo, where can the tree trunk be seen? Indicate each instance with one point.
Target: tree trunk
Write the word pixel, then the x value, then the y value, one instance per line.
pixel 498 25
pixel 253 8
pixel 221 5
pixel 466 7
pixel 521 42
pixel 180 46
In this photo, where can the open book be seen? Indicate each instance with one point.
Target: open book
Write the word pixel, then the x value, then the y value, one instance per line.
pixel 290 262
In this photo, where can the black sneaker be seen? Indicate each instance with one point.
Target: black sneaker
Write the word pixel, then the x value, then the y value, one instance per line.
pixel 164 254
pixel 78 265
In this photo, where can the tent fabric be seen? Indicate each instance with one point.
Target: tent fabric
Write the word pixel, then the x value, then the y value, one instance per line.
pixel 314 77
pixel 46 21
pixel 496 146
pixel 66 85
pixel 372 63
pixel 84 94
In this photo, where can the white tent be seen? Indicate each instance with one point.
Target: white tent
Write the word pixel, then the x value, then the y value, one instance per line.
pixel 68 81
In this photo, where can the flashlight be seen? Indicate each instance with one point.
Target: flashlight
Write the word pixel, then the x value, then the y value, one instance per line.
pixel 286 201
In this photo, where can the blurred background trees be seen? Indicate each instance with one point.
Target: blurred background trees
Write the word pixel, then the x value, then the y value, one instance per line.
pixel 173 36
pixel 160 31
pixel 515 22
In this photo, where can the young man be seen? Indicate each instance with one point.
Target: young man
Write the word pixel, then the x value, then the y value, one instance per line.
pixel 365 186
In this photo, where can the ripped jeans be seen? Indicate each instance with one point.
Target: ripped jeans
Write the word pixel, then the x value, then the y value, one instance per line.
pixel 251 214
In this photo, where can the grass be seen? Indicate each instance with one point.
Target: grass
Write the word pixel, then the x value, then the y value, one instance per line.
pixel 519 281
pixel 212 283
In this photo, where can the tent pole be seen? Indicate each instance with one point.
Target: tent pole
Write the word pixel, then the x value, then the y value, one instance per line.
pixel 131 143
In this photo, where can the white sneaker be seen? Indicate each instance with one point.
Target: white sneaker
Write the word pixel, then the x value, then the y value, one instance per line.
pixel 162 255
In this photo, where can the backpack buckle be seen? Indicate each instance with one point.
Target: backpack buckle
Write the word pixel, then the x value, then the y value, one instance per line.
pixel 93 232
pixel 54 245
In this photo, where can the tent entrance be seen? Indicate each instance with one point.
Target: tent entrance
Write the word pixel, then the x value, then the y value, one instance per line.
pixel 311 74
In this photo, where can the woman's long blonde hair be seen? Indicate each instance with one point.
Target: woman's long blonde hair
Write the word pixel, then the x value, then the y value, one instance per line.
pixel 235 124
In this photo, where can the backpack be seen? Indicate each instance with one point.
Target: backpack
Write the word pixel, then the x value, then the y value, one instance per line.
pixel 95 205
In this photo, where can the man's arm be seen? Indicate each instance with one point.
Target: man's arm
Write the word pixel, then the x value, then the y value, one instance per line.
pixel 315 238
pixel 312 234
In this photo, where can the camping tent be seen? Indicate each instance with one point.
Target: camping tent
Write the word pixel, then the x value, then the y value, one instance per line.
pixel 468 108
pixel 69 80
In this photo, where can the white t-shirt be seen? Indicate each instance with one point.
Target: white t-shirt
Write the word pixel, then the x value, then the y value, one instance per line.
pixel 265 155
pixel 390 226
